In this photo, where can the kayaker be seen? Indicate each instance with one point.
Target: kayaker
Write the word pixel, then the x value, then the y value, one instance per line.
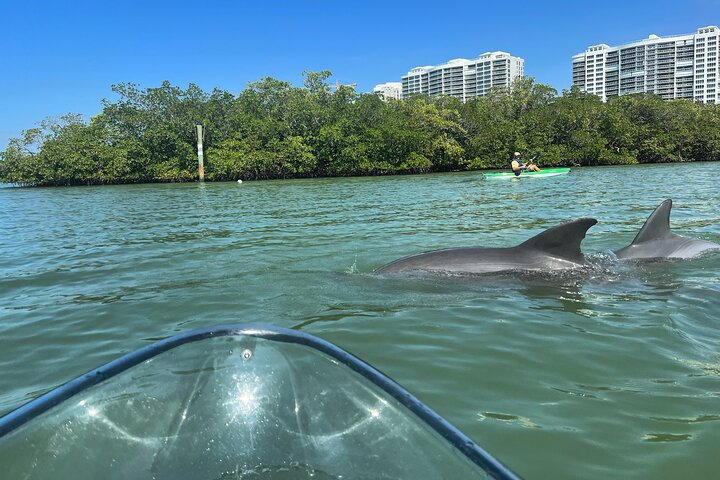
pixel 519 167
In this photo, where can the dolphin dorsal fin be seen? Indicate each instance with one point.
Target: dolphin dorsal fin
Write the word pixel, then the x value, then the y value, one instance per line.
pixel 657 225
pixel 563 240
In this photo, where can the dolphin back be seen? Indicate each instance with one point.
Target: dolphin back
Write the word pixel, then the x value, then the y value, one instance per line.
pixel 655 240
pixel 562 241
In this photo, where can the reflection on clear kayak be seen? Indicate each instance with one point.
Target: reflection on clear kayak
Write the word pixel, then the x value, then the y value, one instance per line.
pixel 236 402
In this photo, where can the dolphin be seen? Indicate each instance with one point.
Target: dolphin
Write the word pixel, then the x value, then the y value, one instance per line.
pixel 655 240
pixel 557 248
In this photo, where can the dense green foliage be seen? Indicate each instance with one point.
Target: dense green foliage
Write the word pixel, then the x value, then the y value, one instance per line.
pixel 275 130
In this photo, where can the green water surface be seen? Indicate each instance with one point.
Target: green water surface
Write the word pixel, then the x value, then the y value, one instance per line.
pixel 611 374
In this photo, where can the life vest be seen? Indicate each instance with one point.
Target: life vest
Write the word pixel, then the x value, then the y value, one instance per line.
pixel 519 170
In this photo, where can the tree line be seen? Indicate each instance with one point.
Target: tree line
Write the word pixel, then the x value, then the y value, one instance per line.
pixel 273 129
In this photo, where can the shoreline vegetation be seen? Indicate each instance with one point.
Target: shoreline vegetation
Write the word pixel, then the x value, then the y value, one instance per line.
pixel 274 130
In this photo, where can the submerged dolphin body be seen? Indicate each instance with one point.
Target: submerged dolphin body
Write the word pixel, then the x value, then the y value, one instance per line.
pixel 656 241
pixel 557 248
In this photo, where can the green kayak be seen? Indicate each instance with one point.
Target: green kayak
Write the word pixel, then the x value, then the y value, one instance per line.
pixel 545 172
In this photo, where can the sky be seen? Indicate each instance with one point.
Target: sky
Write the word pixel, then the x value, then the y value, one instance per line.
pixel 63 57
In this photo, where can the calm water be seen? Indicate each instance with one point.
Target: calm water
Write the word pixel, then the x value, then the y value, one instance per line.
pixel 615 373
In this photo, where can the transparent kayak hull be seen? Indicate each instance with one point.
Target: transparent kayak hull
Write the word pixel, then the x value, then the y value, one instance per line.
pixel 231 403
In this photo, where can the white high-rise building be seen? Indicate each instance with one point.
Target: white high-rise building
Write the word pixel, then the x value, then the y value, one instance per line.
pixel 677 66
pixel 464 78
pixel 389 90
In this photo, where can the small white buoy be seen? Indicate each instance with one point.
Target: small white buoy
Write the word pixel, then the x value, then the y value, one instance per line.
pixel 239 181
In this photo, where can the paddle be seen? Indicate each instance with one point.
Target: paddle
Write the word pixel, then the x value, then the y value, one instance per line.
pixel 532 160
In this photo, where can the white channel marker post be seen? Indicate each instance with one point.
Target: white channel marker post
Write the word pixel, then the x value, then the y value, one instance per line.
pixel 201 165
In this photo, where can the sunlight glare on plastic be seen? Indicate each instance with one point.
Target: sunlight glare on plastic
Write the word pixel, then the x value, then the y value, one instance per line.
pixel 244 399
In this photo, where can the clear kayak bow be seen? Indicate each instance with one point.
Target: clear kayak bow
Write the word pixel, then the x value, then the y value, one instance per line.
pixel 236 402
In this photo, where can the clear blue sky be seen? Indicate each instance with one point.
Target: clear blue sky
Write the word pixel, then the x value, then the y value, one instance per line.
pixel 62 57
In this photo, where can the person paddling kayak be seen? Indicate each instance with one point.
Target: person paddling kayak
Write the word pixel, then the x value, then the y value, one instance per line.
pixel 519 167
